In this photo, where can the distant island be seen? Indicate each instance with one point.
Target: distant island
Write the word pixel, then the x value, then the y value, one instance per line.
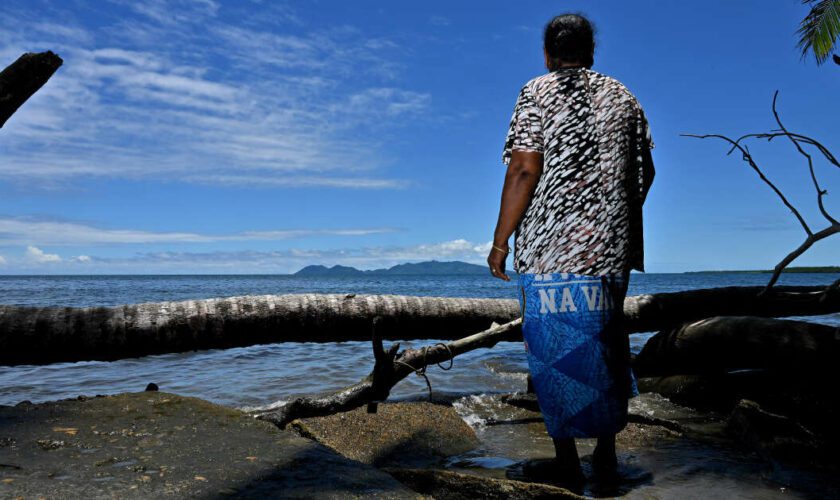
pixel 430 268
pixel 814 269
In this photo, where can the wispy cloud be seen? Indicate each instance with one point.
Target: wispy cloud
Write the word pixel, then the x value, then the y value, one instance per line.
pixel 226 103
pixel 281 261
pixel 2 260
pixel 21 231
pixel 172 12
pixel 439 21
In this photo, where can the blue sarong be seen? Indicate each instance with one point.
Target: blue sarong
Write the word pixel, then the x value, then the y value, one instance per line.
pixel 578 353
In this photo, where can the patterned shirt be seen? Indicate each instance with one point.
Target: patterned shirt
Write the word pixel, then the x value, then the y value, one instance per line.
pixel 585 216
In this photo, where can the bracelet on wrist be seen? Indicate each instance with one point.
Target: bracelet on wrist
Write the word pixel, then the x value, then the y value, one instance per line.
pixel 501 249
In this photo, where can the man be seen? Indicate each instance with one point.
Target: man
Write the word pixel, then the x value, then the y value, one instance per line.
pixel 579 170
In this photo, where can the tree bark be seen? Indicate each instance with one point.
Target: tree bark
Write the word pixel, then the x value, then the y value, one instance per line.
pixel 21 79
pixel 30 335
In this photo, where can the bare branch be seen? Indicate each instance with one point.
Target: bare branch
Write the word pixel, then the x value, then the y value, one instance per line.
pixel 749 159
pixel 809 241
pixel 820 192
pixel 798 140
pixel 390 368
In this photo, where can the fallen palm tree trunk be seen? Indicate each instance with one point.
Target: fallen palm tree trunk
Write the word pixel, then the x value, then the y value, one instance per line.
pixel 390 368
pixel 30 335
pixel 52 334
pixel 23 78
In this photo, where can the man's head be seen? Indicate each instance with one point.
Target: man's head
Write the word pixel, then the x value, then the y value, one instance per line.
pixel 569 40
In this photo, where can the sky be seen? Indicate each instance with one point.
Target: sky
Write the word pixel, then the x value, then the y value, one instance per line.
pixel 257 136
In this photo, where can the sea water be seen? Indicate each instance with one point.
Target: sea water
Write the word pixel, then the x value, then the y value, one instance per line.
pixel 258 375
pixel 265 376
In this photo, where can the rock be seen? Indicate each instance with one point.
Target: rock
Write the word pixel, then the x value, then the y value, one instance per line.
pixel 151 387
pixel 640 427
pixel 705 392
pixel 776 435
pixel 407 434
pixel 726 343
pixel 448 485
pixel 154 445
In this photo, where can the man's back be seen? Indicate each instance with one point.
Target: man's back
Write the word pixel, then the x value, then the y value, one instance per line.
pixel 585 213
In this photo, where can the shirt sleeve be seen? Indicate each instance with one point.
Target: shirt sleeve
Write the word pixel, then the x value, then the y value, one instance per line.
pixel 643 130
pixel 643 143
pixel 525 132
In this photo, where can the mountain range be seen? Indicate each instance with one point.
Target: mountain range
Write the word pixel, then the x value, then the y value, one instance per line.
pixel 428 268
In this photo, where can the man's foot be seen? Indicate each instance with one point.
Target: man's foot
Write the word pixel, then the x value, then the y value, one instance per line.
pixel 604 459
pixel 604 466
pixel 556 473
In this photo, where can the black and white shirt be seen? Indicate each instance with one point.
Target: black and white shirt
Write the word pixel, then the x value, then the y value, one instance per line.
pixel 585 216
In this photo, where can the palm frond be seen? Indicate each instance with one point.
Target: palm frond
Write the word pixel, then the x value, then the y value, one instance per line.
pixel 819 30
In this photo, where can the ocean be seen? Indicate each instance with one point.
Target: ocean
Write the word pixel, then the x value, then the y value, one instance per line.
pixel 264 376
pixel 260 375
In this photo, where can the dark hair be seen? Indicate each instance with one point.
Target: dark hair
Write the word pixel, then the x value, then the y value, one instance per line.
pixel 569 38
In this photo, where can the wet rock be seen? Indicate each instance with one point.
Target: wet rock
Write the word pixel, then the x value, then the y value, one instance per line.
pixel 408 434
pixel 448 485
pixel 705 392
pixel 639 426
pixel 776 435
pixel 154 445
pixel 726 343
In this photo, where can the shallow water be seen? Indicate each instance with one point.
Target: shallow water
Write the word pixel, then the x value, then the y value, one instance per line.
pixel 259 376
pixel 699 465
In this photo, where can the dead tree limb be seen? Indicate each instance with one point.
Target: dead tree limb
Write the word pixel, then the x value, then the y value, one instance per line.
pixel 389 369
pixel 797 140
pixel 21 79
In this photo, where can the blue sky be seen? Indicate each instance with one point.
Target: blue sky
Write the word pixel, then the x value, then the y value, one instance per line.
pixel 206 136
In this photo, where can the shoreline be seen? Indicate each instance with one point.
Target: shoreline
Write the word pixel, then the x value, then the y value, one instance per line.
pixel 148 444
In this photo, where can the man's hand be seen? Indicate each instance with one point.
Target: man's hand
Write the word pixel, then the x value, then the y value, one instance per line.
pixel 496 261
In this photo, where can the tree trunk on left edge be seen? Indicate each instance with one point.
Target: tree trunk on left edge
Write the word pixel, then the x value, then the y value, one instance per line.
pixel 21 79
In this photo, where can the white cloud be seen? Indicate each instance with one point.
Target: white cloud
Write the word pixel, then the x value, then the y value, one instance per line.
pixel 172 12
pixel 35 254
pixel 2 261
pixel 287 261
pixel 18 231
pixel 249 261
pixel 222 101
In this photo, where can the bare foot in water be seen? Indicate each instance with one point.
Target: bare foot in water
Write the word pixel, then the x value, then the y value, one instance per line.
pixel 555 473
pixel 604 460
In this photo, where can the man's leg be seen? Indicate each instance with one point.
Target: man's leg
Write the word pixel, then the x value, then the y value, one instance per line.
pixel 568 462
pixel 604 460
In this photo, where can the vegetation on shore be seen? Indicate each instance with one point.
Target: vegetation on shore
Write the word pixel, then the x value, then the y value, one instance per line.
pixel 800 269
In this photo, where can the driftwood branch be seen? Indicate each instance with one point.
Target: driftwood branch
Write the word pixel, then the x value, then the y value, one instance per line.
pixel 797 140
pixel 820 192
pixel 389 369
pixel 21 79
pixel 747 157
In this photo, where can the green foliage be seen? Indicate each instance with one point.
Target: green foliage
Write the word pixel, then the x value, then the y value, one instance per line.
pixel 819 30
